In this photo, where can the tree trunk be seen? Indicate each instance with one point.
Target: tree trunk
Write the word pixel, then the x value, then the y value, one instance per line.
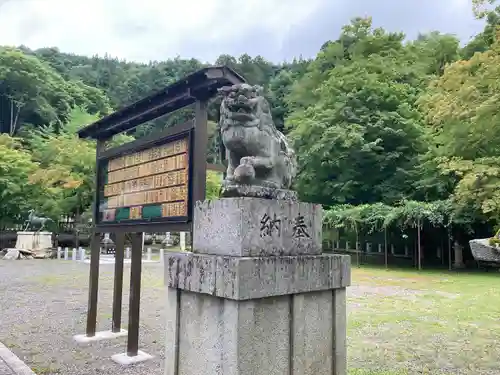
pixel 449 248
pixel 14 119
pixel 442 252
pixel 357 240
pixel 11 125
pixel 419 255
pixel 77 220
pixel 386 255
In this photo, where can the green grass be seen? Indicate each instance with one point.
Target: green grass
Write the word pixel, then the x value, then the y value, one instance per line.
pixel 423 322
pixel 400 322
pixel 45 370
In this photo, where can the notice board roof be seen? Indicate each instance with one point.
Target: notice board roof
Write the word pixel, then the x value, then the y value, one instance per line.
pixel 200 85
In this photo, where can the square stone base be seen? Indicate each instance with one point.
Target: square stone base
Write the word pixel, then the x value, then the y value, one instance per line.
pixel 125 360
pixel 99 336
pixel 243 278
pixel 260 316
pixel 112 261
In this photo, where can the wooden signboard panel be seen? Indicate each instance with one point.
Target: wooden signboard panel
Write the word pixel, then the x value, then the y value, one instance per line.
pixel 149 184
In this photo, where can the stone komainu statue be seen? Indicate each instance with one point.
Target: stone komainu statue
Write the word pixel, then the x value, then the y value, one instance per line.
pixel 257 153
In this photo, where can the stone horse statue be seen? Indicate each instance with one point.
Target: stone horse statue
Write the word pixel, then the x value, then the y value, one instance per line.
pixel 34 221
pixel 257 153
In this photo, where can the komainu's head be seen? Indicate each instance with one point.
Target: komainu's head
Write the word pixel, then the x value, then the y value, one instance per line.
pixel 244 105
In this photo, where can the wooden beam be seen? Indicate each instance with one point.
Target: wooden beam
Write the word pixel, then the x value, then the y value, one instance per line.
pixel 198 85
pixel 152 113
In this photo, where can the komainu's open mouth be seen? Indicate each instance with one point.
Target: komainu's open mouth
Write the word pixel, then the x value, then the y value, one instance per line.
pixel 240 111
pixel 240 104
pixel 241 117
pixel 239 107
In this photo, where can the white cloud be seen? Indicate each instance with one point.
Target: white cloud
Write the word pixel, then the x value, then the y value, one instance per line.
pixel 144 29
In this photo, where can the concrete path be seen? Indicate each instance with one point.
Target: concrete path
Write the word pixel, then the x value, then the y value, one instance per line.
pixel 10 364
pixel 4 369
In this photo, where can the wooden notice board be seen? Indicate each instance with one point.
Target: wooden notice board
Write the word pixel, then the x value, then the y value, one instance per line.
pixel 149 184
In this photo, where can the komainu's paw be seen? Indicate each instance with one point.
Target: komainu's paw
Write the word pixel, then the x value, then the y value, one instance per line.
pixel 244 174
pixel 247 160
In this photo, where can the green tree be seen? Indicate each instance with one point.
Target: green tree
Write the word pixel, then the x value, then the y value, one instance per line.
pixel 213 185
pixel 67 165
pixel 461 111
pixel 358 40
pixel 482 8
pixel 280 87
pixel 431 52
pixel 461 106
pixel 31 92
pixel 18 192
pixel 485 39
pixel 359 141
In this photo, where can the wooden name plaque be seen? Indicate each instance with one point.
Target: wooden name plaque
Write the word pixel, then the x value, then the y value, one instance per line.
pixel 150 185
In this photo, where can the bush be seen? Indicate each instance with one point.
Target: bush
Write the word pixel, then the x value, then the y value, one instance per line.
pixel 494 241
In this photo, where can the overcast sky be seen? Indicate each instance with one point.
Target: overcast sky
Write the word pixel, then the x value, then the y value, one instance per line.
pixel 145 30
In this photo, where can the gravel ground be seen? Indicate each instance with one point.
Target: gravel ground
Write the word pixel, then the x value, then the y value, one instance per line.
pixel 44 303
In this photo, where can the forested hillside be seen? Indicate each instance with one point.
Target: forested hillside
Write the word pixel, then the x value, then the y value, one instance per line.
pixel 374 118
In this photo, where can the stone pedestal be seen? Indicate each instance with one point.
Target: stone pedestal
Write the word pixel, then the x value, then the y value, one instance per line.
pixel 39 243
pixel 459 259
pixel 168 240
pixel 257 296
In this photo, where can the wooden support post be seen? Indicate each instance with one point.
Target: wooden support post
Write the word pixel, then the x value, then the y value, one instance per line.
pixel 200 150
pixel 95 253
pixel 135 295
pixel 118 286
pixel 93 285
